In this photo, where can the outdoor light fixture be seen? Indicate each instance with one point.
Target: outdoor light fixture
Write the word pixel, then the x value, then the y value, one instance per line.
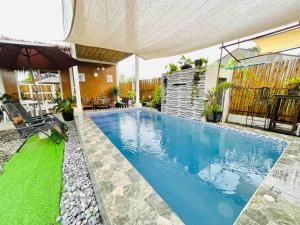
pixel 103 68
pixel 96 74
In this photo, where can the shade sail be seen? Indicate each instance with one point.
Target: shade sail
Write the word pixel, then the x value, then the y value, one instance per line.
pixel 161 28
pixel 277 42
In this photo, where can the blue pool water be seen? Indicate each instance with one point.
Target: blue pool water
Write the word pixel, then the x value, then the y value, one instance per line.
pixel 206 174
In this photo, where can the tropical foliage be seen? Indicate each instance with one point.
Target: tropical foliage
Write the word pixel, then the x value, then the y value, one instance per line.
pixel 294 82
pixel 211 104
pixel 156 100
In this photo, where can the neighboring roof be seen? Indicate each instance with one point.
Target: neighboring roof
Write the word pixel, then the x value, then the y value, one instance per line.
pixel 277 42
pixel 49 80
pixel 101 54
pixel 155 29
pixel 241 53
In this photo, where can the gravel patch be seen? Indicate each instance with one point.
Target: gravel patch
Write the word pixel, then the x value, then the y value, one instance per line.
pixel 10 141
pixel 78 203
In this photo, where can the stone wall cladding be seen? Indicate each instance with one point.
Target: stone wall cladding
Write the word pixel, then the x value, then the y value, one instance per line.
pixel 177 98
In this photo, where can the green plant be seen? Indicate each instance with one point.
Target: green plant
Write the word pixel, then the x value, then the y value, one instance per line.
pixel 212 96
pixel 64 106
pixel 114 91
pixel 171 68
pixel 294 82
pixel 131 95
pixel 200 68
pixel 156 100
pixel 185 62
pixel 5 97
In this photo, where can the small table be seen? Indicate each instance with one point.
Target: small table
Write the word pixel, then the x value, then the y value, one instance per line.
pixel 278 99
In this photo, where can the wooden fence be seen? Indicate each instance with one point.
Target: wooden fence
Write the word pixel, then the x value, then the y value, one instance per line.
pixel 146 87
pixel 30 94
pixel 248 80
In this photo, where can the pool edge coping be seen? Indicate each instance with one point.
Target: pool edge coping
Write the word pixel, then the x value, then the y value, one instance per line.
pixel 159 219
pixel 289 140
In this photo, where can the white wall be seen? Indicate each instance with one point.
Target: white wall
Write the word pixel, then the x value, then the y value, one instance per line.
pixel 211 81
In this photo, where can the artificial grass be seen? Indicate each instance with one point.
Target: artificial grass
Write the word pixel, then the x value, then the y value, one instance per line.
pixel 31 184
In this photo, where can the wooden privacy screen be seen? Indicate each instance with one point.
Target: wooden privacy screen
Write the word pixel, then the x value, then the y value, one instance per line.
pixel 146 87
pixel 247 80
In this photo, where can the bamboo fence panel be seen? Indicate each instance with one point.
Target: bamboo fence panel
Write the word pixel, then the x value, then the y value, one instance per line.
pixel 147 87
pixel 248 80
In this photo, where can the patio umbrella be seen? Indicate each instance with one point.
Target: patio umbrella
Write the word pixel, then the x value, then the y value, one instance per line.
pixel 34 57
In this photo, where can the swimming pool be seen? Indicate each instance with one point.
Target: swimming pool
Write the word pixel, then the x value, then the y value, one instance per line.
pixel 206 174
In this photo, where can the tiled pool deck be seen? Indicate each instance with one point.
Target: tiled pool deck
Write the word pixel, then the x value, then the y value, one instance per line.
pixel 126 198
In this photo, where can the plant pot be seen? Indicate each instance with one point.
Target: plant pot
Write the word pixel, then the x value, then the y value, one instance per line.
pixel 215 117
pixel 198 62
pixel 185 66
pixel 158 107
pixel 293 91
pixel 69 116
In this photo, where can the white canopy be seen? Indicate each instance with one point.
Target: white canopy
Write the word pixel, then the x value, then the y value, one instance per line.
pixel 158 28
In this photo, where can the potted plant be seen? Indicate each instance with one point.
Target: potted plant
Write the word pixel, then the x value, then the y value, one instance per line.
pixel 294 85
pixel 212 109
pixel 200 62
pixel 186 63
pixel 171 68
pixel 65 107
pixel 156 101
pixel 113 93
pixel 131 96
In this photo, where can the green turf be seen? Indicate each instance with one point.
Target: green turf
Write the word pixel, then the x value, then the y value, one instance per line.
pixel 31 183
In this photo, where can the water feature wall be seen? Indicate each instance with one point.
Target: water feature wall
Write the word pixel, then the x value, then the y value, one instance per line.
pixel 182 94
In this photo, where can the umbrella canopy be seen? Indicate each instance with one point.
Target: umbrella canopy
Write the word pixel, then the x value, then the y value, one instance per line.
pixel 33 57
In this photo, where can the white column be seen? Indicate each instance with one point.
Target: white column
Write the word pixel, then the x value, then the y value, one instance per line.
pixel 71 81
pixel 2 89
pixel 30 91
pixel 137 81
pixel 18 86
pixel 76 80
pixel 60 85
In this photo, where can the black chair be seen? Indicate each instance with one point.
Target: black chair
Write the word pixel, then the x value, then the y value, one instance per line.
pixel 37 119
pixel 262 100
pixel 27 129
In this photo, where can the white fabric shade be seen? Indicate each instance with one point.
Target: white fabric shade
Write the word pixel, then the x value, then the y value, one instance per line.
pixel 159 28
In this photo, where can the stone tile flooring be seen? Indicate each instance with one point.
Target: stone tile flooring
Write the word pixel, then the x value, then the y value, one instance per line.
pixel 126 198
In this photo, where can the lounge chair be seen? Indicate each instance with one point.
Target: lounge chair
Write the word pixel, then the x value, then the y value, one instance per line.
pixel 37 119
pixel 26 130
pixel 102 103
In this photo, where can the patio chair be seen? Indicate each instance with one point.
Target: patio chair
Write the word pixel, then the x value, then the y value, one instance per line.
pixel 262 101
pixel 87 103
pixel 26 130
pixel 102 103
pixel 37 119
pixel 125 101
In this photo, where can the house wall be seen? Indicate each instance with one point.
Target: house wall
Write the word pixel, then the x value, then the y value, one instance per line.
pixel 9 79
pixel 96 86
pixel 65 83
pixel 211 81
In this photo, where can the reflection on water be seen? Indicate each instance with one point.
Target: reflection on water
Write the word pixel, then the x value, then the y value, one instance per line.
pixel 205 174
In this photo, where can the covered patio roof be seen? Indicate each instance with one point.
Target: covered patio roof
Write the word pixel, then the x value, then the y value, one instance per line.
pixel 153 29
pixel 99 54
